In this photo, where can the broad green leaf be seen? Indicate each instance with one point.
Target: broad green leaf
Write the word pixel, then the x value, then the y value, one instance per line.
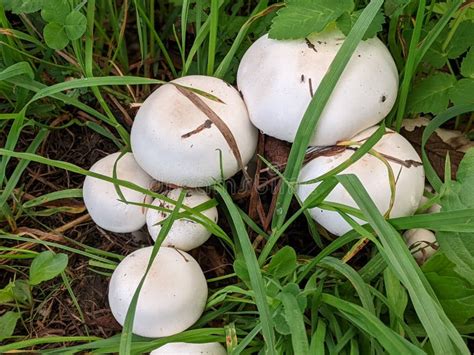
pixel 241 270
pixel 461 40
pixel 22 6
pixel 46 266
pixel 454 292
pixel 21 292
pixel 347 20
pixel 459 247
pixel 431 95
pixel 75 25
pixel 8 324
pixel 467 66
pixel 300 18
pixel 6 294
pixel 394 7
pixel 55 11
pixel 463 92
pixel 283 263
pixel 55 35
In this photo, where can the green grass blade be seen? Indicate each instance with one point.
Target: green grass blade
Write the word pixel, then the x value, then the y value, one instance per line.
pixel 295 320
pixel 410 67
pixel 450 113
pixel 126 337
pixel 354 278
pixel 443 336
pixel 392 342
pixel 316 107
pixel 256 279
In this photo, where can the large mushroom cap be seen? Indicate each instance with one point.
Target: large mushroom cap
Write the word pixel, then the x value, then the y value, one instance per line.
pixel 190 349
pixel 102 200
pixel 175 142
pixel 278 78
pixel 184 234
pixel 173 295
pixel 373 174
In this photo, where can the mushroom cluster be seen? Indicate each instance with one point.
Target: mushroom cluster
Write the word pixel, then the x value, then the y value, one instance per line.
pixel 189 133
pixel 196 130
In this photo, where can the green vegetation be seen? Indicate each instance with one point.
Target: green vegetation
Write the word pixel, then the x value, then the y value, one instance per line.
pixel 71 75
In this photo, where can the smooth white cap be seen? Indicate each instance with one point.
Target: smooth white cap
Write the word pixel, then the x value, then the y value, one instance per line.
pixel 101 198
pixel 173 295
pixel 373 175
pixel 420 242
pixel 190 349
pixel 162 149
pixel 277 80
pixel 184 234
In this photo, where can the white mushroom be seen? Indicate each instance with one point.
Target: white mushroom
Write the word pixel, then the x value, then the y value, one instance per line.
pixel 278 78
pixel 176 142
pixel 190 349
pixel 373 174
pixel 421 242
pixel 435 208
pixel 101 198
pixel 184 234
pixel 173 295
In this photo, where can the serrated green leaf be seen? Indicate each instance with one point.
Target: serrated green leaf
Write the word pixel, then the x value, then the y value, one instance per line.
pixel 46 266
pixel 347 20
pixel 8 324
pixel 431 95
pixel 55 35
pixel 459 247
pixel 300 18
pixel 75 25
pixel 467 66
pixel 55 11
pixel 454 292
pixel 462 40
pixel 283 263
pixel 463 92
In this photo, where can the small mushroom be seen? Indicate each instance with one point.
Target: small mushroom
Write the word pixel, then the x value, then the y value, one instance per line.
pixel 278 79
pixel 422 243
pixel 190 349
pixel 176 142
pixel 184 234
pixel 373 174
pixel 173 295
pixel 101 198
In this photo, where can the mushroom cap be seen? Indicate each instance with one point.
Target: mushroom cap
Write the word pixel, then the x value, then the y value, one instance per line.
pixel 373 175
pixel 171 141
pixel 101 198
pixel 184 233
pixel 190 349
pixel 173 295
pixel 420 242
pixel 278 78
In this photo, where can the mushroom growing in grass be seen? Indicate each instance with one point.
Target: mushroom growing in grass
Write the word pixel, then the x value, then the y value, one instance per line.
pixel 103 202
pixel 278 79
pixel 184 234
pixel 173 295
pixel 181 136
pixel 422 243
pixel 190 349
pixel 374 176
